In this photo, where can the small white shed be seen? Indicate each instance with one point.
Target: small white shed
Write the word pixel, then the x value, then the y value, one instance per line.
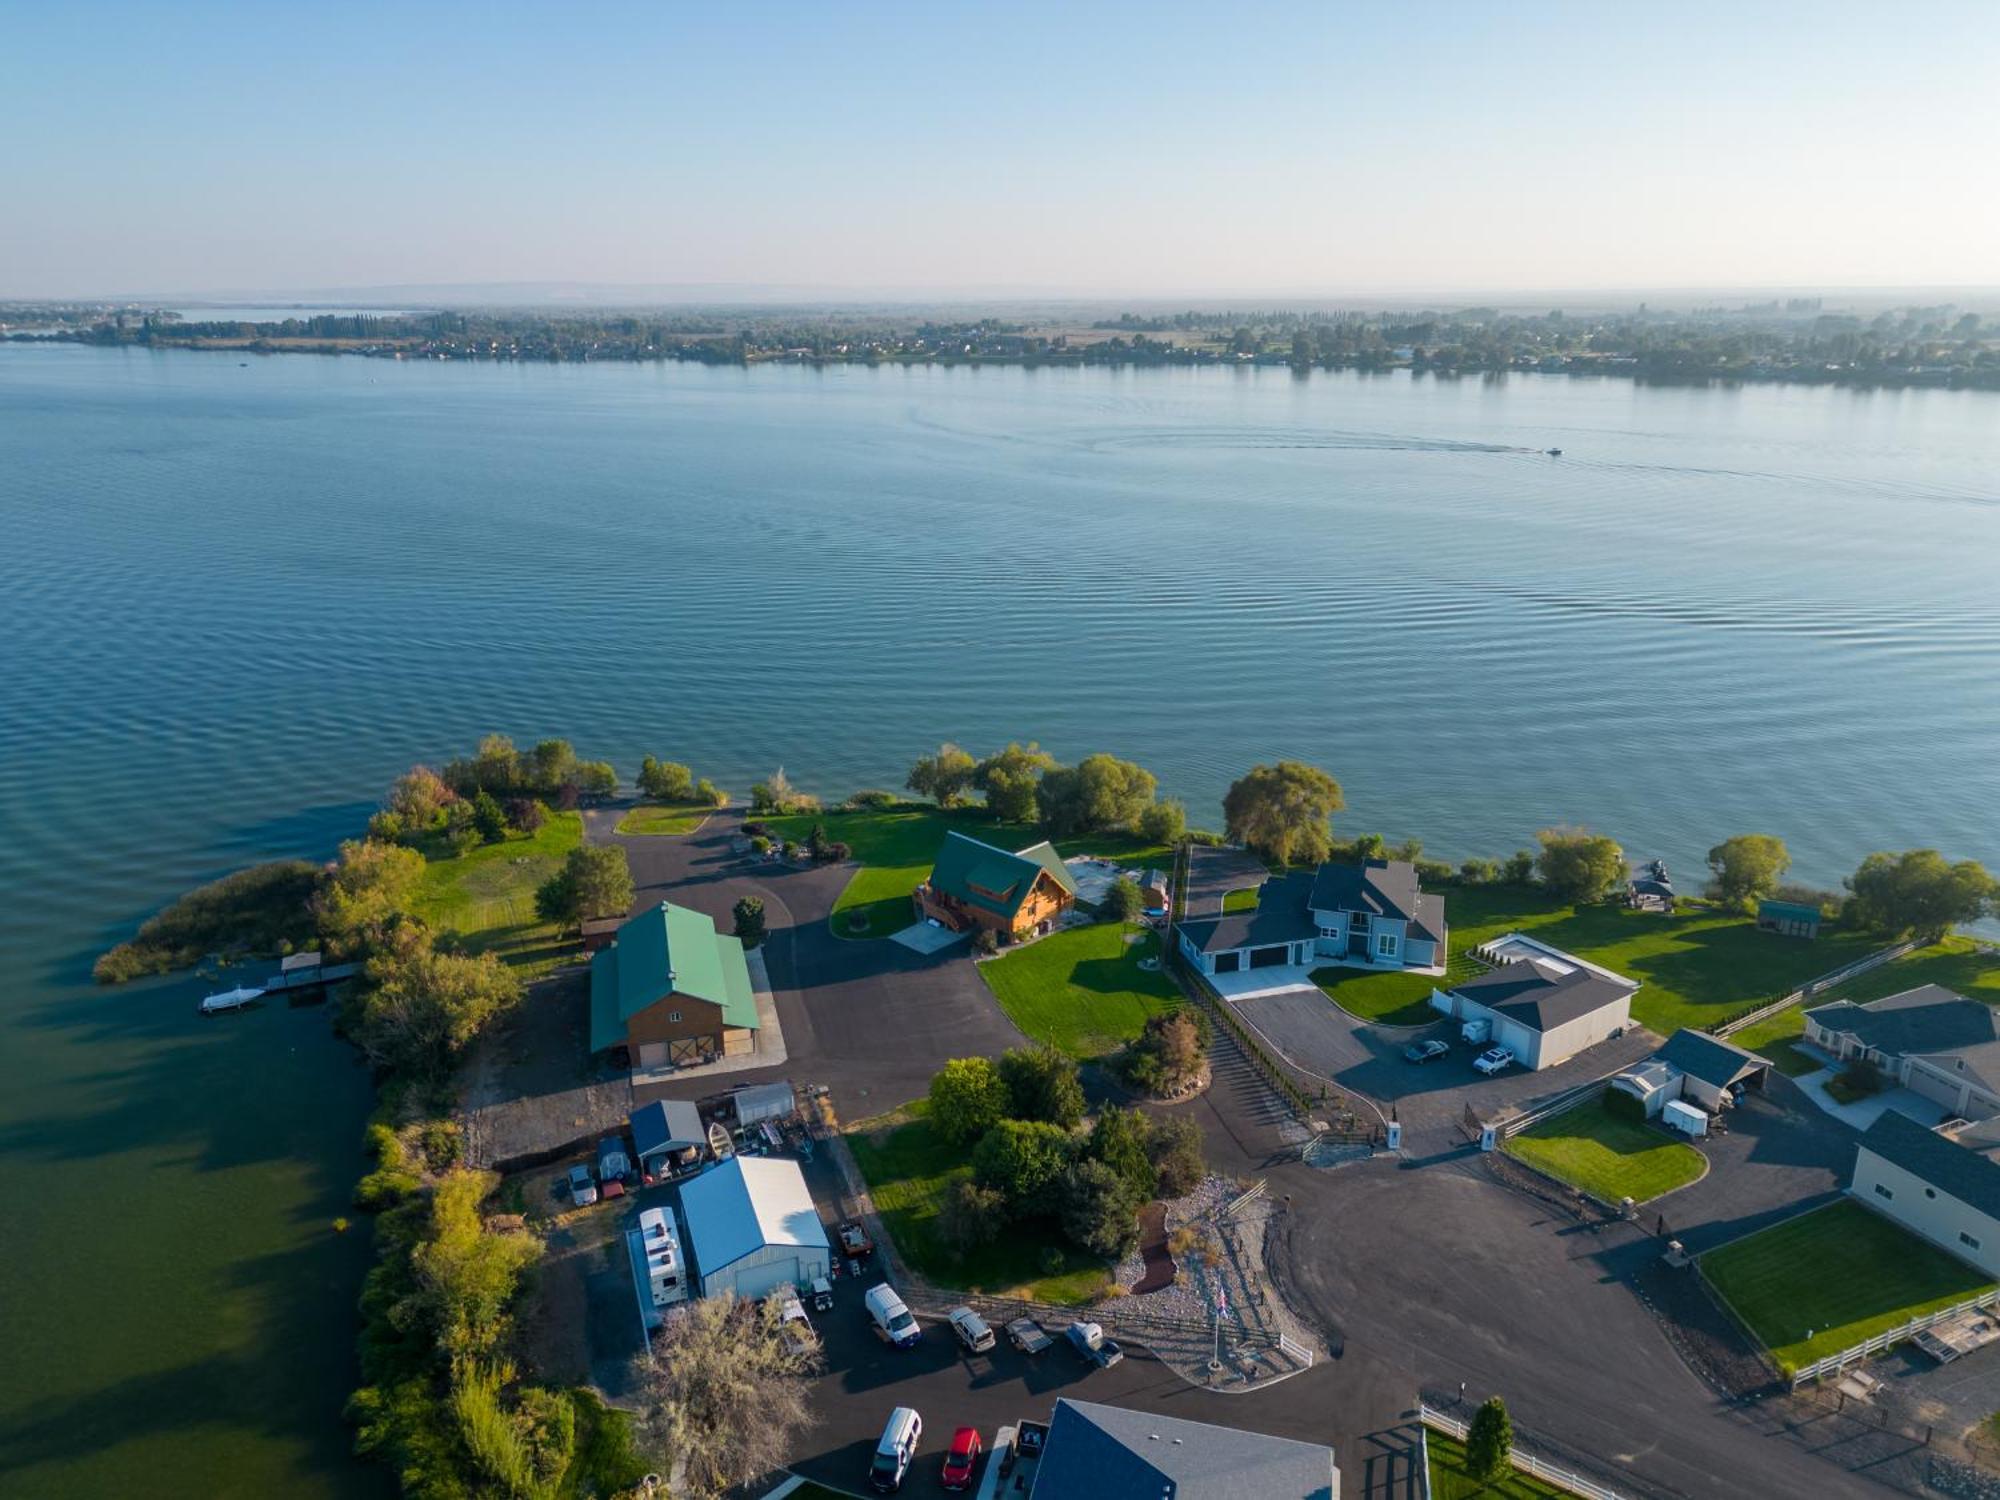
pixel 1684 1117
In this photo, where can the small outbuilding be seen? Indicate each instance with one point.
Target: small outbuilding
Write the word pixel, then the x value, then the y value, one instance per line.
pixel 1542 1004
pixel 753 1227
pixel 1789 918
pixel 1711 1069
pixel 668 1138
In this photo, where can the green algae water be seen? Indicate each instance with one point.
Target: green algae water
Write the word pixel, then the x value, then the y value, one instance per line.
pixel 237 597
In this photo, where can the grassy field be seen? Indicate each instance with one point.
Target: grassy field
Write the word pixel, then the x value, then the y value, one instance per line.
pixel 487 896
pixel 1833 1278
pixel 664 818
pixel 1607 1157
pixel 1449 1481
pixel 895 848
pixel 1697 966
pixel 908 1167
pixel 1082 989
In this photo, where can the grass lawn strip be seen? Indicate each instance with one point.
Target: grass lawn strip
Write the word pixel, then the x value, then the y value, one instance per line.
pixel 1385 997
pixel 1607 1157
pixel 908 1167
pixel 897 845
pixel 1243 900
pixel 487 895
pixel 1081 989
pixel 1449 1481
pixel 1833 1278
pixel 664 818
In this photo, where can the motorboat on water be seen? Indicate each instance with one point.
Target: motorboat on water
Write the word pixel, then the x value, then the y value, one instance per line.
pixel 1553 452
pixel 234 999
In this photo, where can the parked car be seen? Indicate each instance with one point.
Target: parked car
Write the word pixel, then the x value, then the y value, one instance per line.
pixel 891 1320
pixel 1493 1059
pixel 895 1450
pixel 971 1330
pixel 582 1187
pixel 822 1294
pixel 854 1241
pixel 1423 1052
pixel 1029 1336
pixel 1088 1343
pixel 961 1460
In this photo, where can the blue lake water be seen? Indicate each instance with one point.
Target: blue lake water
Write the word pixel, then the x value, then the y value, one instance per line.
pixel 237 598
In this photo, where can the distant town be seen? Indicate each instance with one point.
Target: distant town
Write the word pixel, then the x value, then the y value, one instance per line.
pixel 1793 340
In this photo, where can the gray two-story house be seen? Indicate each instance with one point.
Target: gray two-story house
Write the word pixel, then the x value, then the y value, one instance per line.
pixel 1365 916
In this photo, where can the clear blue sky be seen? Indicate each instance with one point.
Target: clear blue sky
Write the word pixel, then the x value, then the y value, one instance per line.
pixel 1138 149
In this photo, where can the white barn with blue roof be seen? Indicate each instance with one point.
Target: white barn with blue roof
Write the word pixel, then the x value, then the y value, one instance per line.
pixel 753 1227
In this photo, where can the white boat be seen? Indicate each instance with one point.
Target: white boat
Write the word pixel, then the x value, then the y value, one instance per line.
pixel 234 999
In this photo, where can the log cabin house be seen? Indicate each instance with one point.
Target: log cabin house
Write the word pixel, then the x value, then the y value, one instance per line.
pixel 975 885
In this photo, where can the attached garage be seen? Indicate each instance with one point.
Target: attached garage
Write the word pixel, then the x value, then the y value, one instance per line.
pixel 1228 963
pixel 753 1228
pixel 1270 958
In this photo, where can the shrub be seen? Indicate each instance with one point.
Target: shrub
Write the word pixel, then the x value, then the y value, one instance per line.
pixel 835 851
pixel 1163 823
pixel 384 1188
pixel 1489 1441
pixel 1042 1084
pixel 760 844
pixel 871 801
pixel 1123 902
pixel 968 1098
pixel 1174 1146
pixel 749 914
pixel 986 940
pixel 443 1144
pixel 1433 871
pixel 757 828
pixel 970 1215
pixel 708 794
pixel 1519 867
pixel 526 814
pixel 1479 871
pixel 1099 1209
pixel 1206 838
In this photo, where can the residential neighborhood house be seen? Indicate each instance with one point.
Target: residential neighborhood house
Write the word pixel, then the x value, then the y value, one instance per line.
pixel 1540 1003
pixel 1931 1040
pixel 973 884
pixel 672 990
pixel 1370 915
pixel 1109 1453
pixel 753 1227
pixel 1934 1187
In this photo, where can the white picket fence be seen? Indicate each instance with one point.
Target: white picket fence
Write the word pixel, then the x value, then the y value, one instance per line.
pixel 1833 1364
pixel 1527 1463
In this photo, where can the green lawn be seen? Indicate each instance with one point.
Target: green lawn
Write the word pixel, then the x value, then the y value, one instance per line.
pixel 1243 900
pixel 1449 1481
pixel 487 896
pixel 896 846
pixel 1606 1156
pixel 665 818
pixel 1697 967
pixel 1082 989
pixel 908 1166
pixel 1833 1278
pixel 1390 998
pixel 1776 1036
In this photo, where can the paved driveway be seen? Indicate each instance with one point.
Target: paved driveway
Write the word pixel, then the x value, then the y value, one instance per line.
pixel 1430 1098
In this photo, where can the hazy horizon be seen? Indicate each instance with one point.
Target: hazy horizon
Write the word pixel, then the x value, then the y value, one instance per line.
pixel 886 152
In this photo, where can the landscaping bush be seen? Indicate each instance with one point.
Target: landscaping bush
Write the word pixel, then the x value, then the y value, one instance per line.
pixel 1174 1146
pixel 1042 1085
pixel 870 801
pixel 1168 1053
pixel 749 915
pixel 1123 902
pixel 1857 1080
pixel 1479 871
pixel 757 828
pixel 986 941
pixel 526 814
pixel 1099 1209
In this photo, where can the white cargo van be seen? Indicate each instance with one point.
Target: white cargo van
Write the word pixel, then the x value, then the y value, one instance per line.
pixel 892 1321
pixel 896 1451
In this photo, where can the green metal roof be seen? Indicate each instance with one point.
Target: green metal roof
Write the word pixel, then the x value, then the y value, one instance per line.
pixel 668 950
pixel 1797 910
pixel 964 863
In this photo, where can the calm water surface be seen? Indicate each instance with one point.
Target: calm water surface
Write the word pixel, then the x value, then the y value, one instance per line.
pixel 236 600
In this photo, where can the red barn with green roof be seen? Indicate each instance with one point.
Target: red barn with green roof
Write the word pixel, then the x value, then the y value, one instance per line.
pixel 671 989
pixel 974 884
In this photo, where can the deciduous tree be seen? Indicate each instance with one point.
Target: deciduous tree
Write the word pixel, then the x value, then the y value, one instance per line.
pixel 1174 1146
pixel 1023 1161
pixel 1917 891
pixel 368 886
pixel 1281 812
pixel 945 777
pixel 1099 1209
pixel 665 780
pixel 1163 822
pixel 1579 865
pixel 1011 779
pixel 970 1215
pixel 1747 868
pixel 1123 902
pixel 968 1098
pixel 1099 792
pixel 749 915
pixel 1042 1084
pixel 595 881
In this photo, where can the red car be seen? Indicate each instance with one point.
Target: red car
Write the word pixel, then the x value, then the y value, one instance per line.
pixel 962 1460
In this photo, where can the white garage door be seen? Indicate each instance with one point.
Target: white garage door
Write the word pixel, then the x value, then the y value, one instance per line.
pixel 652 1054
pixel 1517 1039
pixel 760 1280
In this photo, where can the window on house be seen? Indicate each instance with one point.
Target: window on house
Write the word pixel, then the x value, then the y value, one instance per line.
pixel 1882 1192
pixel 1386 944
pixel 1967 1240
pixel 673 1015
pixel 1330 932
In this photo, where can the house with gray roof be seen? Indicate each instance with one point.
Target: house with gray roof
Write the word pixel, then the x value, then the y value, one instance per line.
pixel 1931 1040
pixel 1540 1003
pixel 1703 1069
pixel 1109 1453
pixel 1369 915
pixel 1933 1186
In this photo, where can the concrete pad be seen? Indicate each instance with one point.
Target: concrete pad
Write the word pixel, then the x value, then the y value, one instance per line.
pixel 1252 984
pixel 1865 1112
pixel 927 938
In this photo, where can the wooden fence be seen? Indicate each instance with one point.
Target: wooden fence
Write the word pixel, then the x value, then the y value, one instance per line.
pixel 1810 988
